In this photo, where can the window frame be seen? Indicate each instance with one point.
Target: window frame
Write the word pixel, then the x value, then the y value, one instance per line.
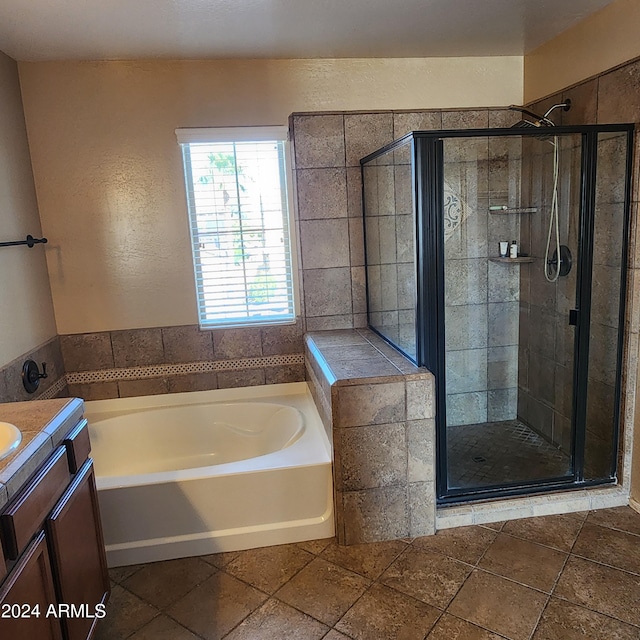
pixel 215 135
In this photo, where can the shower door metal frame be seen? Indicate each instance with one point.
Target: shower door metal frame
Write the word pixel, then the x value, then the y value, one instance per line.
pixel 428 186
pixel 429 146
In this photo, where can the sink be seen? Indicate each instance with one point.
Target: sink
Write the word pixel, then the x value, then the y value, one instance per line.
pixel 10 438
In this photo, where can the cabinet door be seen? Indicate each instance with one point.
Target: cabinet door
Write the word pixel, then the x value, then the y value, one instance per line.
pixel 29 585
pixel 77 553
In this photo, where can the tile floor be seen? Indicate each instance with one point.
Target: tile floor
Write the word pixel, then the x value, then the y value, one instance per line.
pixel 492 453
pixel 564 577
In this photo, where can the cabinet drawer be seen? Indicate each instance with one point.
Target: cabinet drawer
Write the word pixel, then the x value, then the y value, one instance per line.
pixel 25 515
pixel 78 445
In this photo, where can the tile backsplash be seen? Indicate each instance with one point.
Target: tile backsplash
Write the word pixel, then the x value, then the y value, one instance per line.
pixel 184 358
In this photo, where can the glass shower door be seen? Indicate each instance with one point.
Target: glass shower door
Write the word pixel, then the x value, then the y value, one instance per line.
pixel 509 339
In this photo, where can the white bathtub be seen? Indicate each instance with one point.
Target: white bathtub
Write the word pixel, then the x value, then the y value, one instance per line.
pixel 197 473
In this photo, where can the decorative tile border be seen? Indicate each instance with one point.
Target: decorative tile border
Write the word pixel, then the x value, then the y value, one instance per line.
pixel 54 389
pixel 160 370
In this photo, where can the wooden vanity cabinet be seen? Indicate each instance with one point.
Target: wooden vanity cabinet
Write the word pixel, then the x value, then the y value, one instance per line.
pixel 53 529
pixel 77 552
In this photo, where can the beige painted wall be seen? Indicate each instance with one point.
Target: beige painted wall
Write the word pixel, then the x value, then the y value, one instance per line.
pixel 606 39
pixel 26 312
pixel 108 169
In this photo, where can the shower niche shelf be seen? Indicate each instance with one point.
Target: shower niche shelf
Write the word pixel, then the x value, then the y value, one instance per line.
pixel 519 260
pixel 509 211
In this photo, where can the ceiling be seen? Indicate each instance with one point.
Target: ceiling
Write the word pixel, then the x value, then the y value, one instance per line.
pixel 135 29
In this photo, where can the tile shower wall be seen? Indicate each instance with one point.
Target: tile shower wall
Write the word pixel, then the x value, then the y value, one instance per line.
pixel 327 152
pixel 390 246
pixel 608 98
pixel 545 376
pixel 328 148
pixel 481 308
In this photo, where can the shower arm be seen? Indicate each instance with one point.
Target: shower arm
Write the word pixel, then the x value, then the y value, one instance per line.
pixel 566 105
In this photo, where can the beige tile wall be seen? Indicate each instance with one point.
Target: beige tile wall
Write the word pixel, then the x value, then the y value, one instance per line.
pixel 380 419
pixel 11 387
pixel 609 98
pixel 116 354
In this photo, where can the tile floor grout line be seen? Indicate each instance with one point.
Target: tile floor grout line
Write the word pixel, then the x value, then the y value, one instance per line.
pixel 553 587
pixel 513 580
pixel 604 526
pixel 166 615
pixel 184 595
pixel 540 544
pixel 386 586
pixel 216 570
pixel 156 609
pixel 600 613
pixel 571 553
pixel 119 582
pixel 312 616
pixel 604 564
pixel 313 557
pixel 473 568
pixel 497 633
pixel 441 610
pixel 437 552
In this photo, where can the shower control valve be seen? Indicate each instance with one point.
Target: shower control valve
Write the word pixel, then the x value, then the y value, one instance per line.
pixel 31 375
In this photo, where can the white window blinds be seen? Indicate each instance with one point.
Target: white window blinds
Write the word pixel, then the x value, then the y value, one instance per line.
pixel 240 226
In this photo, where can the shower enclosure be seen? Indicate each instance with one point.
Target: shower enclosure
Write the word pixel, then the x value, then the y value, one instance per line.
pixel 526 347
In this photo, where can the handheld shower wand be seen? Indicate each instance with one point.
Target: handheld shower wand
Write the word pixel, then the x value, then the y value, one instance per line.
pixel 551 266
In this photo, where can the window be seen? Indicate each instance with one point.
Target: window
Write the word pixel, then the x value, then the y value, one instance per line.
pixel 237 198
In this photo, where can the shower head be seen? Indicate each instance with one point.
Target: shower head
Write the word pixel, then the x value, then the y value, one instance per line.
pixel 536 120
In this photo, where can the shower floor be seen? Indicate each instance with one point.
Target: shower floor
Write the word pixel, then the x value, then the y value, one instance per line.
pixel 494 453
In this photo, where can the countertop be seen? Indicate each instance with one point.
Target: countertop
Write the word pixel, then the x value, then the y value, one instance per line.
pixel 43 424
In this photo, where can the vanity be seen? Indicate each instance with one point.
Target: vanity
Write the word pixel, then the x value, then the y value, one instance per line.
pixel 53 572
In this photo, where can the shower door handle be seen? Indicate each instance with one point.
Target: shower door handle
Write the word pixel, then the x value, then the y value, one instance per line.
pixel 573 317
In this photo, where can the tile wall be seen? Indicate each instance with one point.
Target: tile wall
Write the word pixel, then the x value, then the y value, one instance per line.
pixel 481 317
pixel 11 387
pixel 606 99
pixel 390 246
pixel 173 359
pixel 546 356
pixel 379 412
pixel 482 362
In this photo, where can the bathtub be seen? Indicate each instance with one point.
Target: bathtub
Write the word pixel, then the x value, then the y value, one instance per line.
pixel 208 471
